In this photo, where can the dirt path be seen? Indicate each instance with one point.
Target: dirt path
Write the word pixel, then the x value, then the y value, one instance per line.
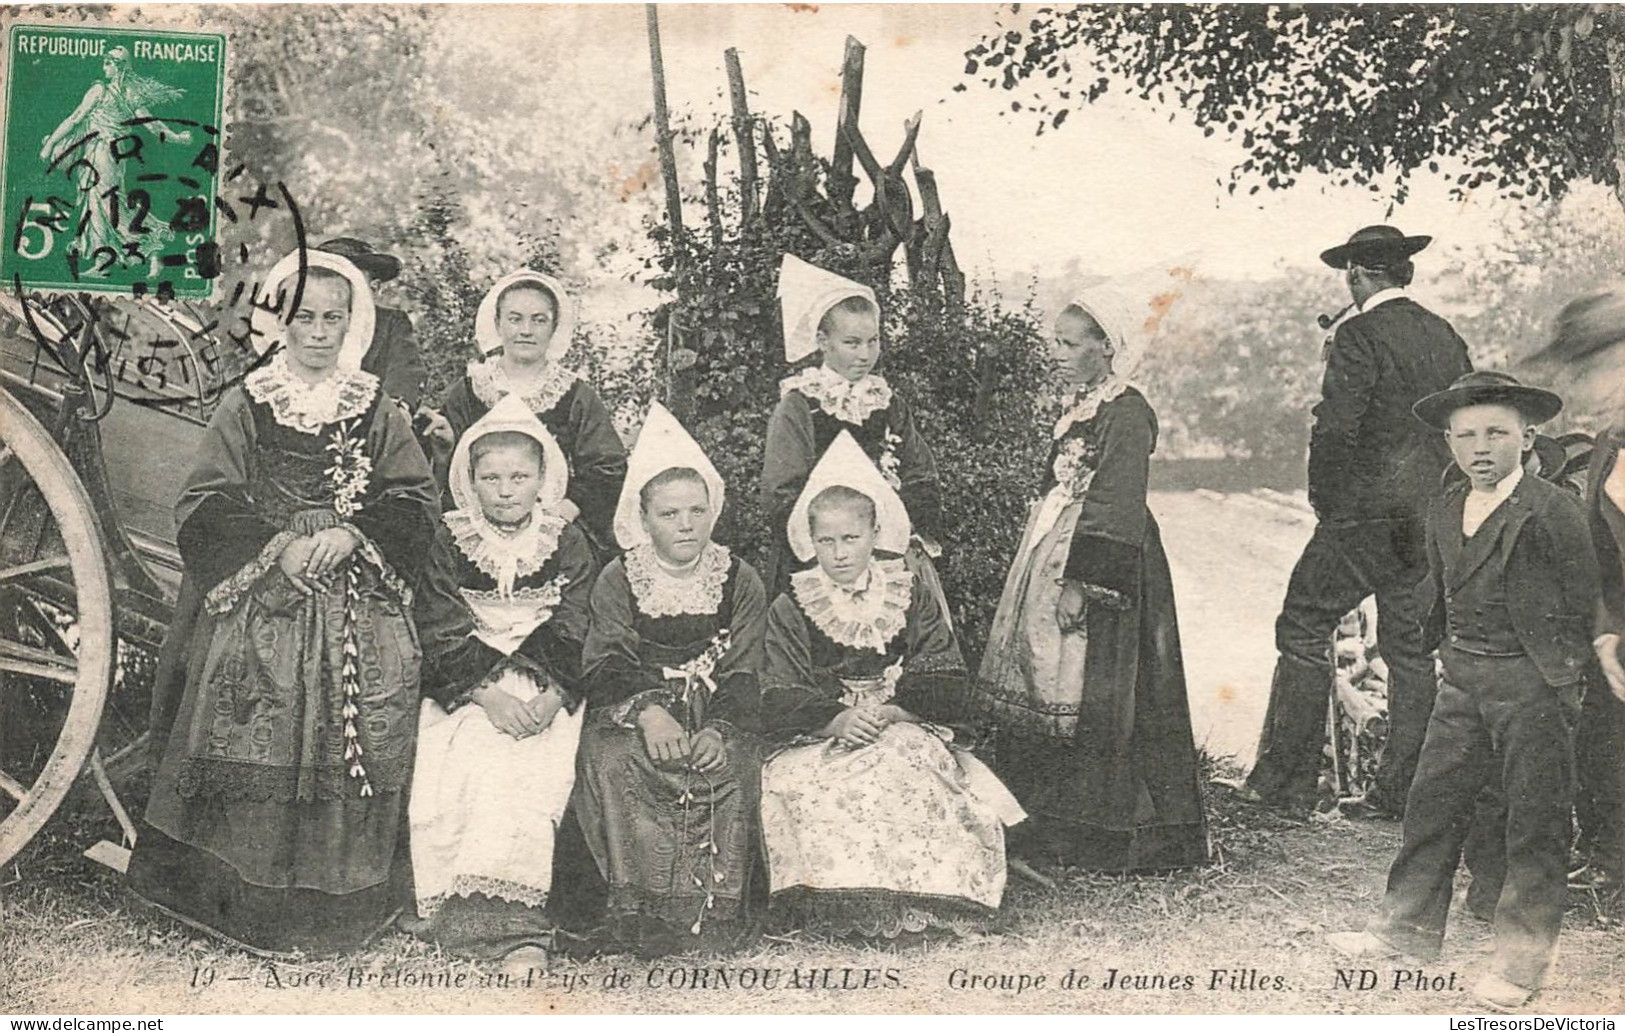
pixel 1230 556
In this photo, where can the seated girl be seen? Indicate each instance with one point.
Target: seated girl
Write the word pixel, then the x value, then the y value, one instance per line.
pixel 501 614
pixel 668 779
pixel 877 819
pixel 287 750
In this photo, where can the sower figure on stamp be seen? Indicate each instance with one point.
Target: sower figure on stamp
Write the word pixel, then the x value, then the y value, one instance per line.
pixel 1510 599
pixel 1372 465
pixel 393 356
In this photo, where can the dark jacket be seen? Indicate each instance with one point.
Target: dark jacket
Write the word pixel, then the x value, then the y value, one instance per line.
pixel 1370 458
pixel 1540 547
pixel 393 357
pixel 1611 612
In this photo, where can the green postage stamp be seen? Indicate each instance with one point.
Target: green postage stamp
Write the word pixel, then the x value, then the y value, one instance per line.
pixel 112 159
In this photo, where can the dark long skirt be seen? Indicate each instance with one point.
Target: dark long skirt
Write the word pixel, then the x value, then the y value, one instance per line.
pixel 201 891
pixel 1103 760
pixel 677 848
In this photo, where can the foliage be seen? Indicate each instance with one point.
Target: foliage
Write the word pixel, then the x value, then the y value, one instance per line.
pixel 1509 294
pixel 1519 97
pixel 370 116
pixel 724 361
pixel 1236 368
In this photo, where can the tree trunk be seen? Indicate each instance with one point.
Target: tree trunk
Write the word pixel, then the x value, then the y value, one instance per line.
pixel 744 134
pixel 842 183
pixel 668 158
pixel 1616 89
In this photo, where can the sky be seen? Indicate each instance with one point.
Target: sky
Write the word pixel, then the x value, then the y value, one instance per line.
pixel 1119 188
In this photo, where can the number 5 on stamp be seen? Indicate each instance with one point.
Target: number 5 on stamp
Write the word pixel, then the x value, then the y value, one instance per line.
pixel 111 166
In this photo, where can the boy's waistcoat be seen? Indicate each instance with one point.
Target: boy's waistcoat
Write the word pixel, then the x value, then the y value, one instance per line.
pixel 1529 565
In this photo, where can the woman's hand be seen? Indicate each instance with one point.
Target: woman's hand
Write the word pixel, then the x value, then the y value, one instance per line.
pixel 663 737
pixel 568 510
pixel 1070 607
pixel 330 549
pixel 507 714
pixel 293 560
pixel 1607 647
pixel 893 714
pixel 437 430
pixel 545 706
pixel 706 753
pixel 855 727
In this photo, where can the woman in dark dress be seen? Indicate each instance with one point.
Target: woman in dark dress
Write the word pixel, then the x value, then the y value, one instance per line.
pixel 277 809
pixel 502 613
pixel 1083 672
pixel 523 330
pixel 668 779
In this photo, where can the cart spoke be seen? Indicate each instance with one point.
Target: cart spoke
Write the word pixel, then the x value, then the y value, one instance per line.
pixel 12 788
pixel 23 570
pixel 37 663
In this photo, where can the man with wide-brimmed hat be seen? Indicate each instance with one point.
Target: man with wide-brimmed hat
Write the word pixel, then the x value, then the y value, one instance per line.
pixel 1510 597
pixel 1372 465
pixel 393 356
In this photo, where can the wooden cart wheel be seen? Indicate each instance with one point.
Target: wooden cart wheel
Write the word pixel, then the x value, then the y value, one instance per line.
pixel 73 558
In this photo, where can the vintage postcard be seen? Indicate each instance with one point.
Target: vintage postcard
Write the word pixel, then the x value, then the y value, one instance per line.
pixel 851 508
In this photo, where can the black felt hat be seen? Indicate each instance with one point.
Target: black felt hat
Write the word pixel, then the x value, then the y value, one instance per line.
pixel 1374 247
pixel 1487 387
pixel 376 264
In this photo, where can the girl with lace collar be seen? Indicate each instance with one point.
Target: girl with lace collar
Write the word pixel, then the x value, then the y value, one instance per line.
pixel 864 690
pixel 288 687
pixel 523 329
pixel 502 614
pixel 1083 669
pixel 670 663
pixel 839 320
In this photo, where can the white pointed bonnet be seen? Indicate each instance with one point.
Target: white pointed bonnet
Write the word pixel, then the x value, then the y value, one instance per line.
pixel 806 292
pixel 270 317
pixel 845 463
pixel 486 338
pixel 509 414
pixel 662 444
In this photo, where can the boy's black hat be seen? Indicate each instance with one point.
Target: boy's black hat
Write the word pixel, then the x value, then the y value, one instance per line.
pixel 1487 387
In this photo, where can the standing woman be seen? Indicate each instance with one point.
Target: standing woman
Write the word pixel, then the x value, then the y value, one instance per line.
pixel 838 319
pixel 1083 672
pixel 277 809
pixel 668 781
pixel 523 329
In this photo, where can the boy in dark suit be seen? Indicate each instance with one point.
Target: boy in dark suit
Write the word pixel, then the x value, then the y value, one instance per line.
pixel 1511 595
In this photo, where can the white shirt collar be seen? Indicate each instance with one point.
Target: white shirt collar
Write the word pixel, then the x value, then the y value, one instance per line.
pixel 1386 294
pixel 1481 504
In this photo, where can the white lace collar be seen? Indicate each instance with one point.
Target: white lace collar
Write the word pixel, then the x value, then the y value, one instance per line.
pixel 1086 403
pixel 541 393
pixel 343 394
pixel 847 400
pixel 660 593
pixel 865 618
pixel 506 558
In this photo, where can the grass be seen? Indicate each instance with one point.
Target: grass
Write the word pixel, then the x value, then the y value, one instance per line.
pixel 1257 917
